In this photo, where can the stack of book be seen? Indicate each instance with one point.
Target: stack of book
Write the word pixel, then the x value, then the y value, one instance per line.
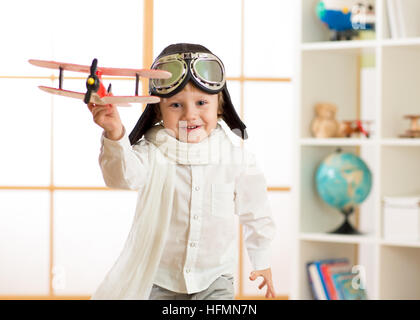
pixel 333 279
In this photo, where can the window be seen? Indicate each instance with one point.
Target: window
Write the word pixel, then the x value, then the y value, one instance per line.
pixel 55 212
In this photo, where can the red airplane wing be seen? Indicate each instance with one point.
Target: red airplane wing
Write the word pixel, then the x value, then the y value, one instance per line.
pixel 128 99
pixel 64 93
pixel 122 101
pixel 71 94
pixel 145 73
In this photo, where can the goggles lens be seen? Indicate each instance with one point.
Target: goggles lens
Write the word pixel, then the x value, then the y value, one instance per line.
pixel 175 67
pixel 209 70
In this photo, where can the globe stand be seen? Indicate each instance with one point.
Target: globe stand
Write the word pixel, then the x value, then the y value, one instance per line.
pixel 346 227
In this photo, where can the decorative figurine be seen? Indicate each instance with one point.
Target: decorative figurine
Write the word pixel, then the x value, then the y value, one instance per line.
pixel 345 17
pixel 324 124
pixel 414 131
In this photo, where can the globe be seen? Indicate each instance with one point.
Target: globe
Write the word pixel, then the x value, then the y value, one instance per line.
pixel 343 181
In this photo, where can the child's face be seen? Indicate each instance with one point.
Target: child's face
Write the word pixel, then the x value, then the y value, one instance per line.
pixel 190 107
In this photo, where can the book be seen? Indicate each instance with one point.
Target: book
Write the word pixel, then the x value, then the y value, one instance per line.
pixel 315 282
pixel 347 289
pixel 316 278
pixel 328 269
pixel 332 279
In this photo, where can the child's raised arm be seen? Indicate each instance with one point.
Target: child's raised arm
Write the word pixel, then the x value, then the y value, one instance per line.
pixel 108 118
pixel 123 166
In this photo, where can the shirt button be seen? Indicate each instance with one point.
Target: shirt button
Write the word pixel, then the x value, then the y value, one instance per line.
pixel 188 270
pixel 197 188
pixel 195 217
pixel 192 244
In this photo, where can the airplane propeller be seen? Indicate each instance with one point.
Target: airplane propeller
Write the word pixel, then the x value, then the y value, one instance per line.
pixel 92 82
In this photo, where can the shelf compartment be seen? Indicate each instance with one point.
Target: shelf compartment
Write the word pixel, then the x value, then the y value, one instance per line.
pixel 311 251
pixel 399 273
pixel 399 168
pixel 315 215
pixel 360 255
pixel 313 30
pixel 335 77
pixel 412 6
pixel 400 89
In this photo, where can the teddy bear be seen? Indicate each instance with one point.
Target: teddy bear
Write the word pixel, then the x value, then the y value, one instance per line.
pixel 324 125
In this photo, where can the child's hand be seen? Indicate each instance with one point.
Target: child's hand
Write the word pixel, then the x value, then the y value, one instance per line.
pixel 266 274
pixel 108 118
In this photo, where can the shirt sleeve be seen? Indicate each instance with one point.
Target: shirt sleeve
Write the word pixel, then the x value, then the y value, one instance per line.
pixel 255 215
pixel 123 166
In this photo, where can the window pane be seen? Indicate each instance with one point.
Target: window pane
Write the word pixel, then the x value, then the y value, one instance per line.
pixel 108 30
pixel 75 31
pixel 235 95
pixel 25 128
pixel 269 34
pixel 26 32
pixel 268 116
pixel 281 249
pixel 234 88
pixel 24 242
pixel 77 137
pixel 214 24
pixel 90 231
pixel 76 142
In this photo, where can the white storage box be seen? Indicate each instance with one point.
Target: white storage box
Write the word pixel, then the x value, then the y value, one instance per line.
pixel 401 218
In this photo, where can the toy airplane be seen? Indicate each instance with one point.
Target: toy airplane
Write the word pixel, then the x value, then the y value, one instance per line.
pixel 345 17
pixel 348 128
pixel 96 92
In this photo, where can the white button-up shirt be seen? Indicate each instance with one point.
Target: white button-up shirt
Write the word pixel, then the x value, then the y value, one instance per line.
pixel 202 237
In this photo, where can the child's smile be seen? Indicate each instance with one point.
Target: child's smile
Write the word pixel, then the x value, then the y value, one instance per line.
pixel 190 115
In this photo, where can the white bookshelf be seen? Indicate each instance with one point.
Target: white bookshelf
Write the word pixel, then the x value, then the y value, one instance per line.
pixel 330 71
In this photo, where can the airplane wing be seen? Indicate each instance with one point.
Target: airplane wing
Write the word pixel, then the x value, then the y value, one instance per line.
pixel 71 94
pixel 127 99
pixel 145 73
pixel 122 101
pixel 64 93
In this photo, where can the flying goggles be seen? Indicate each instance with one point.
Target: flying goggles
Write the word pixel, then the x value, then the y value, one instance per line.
pixel 204 69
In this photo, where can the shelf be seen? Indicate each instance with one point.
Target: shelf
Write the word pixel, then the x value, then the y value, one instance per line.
pixel 356 239
pixel 402 142
pixel 336 142
pixel 405 42
pixel 351 45
pixel 337 238
pixel 400 243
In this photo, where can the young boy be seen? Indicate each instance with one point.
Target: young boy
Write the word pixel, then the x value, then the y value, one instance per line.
pixel 183 242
